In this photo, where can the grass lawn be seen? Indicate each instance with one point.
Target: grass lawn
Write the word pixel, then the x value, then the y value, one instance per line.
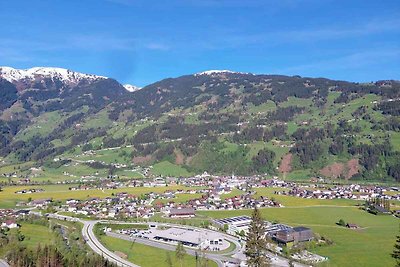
pixel 166 168
pixel 146 256
pixel 369 246
pixel 36 234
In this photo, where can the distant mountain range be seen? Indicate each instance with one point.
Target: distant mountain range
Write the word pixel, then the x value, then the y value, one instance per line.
pixel 218 120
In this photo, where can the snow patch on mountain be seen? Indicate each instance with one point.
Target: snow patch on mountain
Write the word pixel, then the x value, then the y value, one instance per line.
pixel 12 75
pixel 132 88
pixel 214 72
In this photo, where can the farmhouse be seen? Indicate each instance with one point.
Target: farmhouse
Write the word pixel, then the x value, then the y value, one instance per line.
pixel 10 224
pixel 293 235
pixel 182 213
pixel 352 226
pixel 40 203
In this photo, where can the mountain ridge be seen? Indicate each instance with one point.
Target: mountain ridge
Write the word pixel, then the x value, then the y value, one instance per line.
pixel 219 121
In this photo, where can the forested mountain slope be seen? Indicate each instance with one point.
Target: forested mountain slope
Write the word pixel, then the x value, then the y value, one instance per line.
pixel 215 121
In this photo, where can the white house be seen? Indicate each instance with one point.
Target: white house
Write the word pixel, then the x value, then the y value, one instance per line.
pixel 9 224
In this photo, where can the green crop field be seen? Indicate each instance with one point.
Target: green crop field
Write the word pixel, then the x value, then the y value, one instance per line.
pixel 369 246
pixel 147 256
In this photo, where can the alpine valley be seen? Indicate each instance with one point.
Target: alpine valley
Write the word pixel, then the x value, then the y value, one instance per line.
pixel 220 122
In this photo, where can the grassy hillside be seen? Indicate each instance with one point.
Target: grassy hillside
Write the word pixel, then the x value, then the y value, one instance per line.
pixel 220 123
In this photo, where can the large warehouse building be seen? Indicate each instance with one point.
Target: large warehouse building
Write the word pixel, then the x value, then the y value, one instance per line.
pixel 189 237
pixel 235 224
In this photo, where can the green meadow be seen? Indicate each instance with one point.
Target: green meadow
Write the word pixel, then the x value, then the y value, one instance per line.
pixel 34 235
pixel 147 256
pixel 370 245
pixel 166 168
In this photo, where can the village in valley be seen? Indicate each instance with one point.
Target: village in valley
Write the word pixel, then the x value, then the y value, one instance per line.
pixel 200 133
pixel 174 210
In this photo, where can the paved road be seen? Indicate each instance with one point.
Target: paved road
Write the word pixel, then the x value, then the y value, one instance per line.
pixel 234 240
pixel 97 247
pixel 94 243
pixel 3 263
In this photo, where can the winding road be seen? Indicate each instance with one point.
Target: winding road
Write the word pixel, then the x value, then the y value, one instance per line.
pixel 93 242
pixel 222 259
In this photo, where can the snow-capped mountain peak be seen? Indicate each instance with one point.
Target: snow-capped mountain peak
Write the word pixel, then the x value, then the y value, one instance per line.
pixel 13 75
pixel 216 72
pixel 132 88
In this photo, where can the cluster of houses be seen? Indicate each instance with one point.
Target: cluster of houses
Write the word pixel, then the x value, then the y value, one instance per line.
pixel 29 191
pixel 9 217
pixel 243 201
pixel 124 205
pixel 354 191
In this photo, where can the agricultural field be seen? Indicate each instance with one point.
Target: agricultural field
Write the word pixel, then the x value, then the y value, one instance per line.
pixel 370 245
pixel 147 256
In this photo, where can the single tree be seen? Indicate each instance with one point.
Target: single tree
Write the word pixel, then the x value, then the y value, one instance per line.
pixel 396 251
pixel 341 222
pixel 168 259
pixel 256 242
pixel 180 253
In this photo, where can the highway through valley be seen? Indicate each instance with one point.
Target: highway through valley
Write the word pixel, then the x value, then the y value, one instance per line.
pixel 222 259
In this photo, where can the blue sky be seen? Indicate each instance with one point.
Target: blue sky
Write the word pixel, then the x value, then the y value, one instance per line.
pixel 140 42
